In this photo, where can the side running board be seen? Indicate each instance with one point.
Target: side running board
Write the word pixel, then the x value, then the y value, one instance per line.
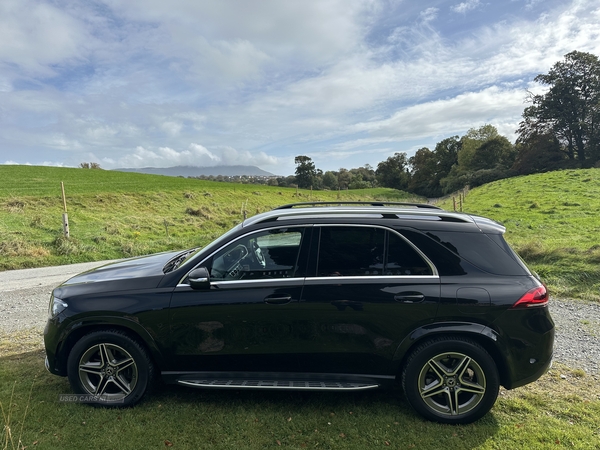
pixel 276 384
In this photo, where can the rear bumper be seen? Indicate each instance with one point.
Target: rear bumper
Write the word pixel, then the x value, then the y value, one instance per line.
pixel 528 340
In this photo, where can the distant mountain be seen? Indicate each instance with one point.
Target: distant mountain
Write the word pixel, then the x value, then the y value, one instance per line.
pixel 193 171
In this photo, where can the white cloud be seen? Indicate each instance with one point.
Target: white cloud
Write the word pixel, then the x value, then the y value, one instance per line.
pixel 34 36
pixel 272 78
pixel 429 14
pixel 217 44
pixel 45 163
pixel 439 117
pixel 194 155
pixel 464 7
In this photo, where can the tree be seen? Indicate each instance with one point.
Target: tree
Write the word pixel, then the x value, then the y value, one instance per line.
pixel 393 172
pixel 344 178
pixel 446 153
pixel 305 172
pixel 330 180
pixel 362 178
pixel 483 156
pixel 495 153
pixel 423 177
pixel 538 153
pixel 570 109
pixel 430 168
pixel 91 165
pixel 471 141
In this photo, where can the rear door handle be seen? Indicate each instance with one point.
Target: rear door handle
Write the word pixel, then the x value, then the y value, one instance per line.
pixel 409 297
pixel 278 300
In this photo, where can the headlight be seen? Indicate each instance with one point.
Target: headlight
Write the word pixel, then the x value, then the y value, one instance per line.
pixel 56 306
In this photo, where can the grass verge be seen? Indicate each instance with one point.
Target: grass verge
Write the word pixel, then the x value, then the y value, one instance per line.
pixel 561 410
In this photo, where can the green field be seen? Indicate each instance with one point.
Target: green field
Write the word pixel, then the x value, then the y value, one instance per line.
pixel 117 214
pixel 552 219
pixel 561 410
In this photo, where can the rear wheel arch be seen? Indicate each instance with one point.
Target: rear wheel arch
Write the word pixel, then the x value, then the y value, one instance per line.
pixel 487 338
pixel 450 379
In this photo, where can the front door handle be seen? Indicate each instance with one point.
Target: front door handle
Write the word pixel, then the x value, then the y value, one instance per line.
pixel 409 297
pixel 278 299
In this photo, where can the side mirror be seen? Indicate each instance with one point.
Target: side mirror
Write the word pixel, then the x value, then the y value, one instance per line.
pixel 199 278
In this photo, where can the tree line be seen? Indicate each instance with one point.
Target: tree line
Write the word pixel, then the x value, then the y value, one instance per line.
pixel 560 129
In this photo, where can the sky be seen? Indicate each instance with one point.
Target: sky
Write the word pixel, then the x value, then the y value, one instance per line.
pixel 152 83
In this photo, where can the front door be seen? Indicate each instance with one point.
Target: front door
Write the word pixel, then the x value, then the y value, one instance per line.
pixel 244 321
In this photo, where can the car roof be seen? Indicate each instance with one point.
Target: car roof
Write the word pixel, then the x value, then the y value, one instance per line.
pixel 369 210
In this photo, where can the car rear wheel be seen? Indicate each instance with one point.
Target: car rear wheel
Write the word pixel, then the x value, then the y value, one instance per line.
pixel 451 380
pixel 109 368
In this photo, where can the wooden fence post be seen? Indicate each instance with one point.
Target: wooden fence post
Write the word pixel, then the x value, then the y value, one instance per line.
pixel 65 217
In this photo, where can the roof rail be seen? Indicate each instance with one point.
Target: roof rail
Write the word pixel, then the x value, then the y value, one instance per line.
pixel 372 203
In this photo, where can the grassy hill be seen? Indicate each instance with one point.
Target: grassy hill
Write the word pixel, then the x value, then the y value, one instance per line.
pixel 118 214
pixel 553 221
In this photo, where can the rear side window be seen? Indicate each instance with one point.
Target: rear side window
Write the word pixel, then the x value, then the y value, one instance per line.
pixel 350 251
pixel 402 259
pixel 367 251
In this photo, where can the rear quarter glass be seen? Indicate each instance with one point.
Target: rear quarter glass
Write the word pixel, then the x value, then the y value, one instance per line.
pixel 483 252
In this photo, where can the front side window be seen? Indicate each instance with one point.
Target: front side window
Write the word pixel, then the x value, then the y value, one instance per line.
pixel 367 251
pixel 263 255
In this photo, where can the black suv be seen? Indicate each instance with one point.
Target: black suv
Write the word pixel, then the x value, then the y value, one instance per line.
pixel 314 297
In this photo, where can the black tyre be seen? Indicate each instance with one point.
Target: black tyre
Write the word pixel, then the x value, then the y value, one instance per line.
pixel 451 380
pixel 109 368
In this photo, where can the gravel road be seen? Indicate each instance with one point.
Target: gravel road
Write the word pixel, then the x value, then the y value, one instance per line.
pixel 24 296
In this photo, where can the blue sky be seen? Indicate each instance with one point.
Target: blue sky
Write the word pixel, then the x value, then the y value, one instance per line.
pixel 142 83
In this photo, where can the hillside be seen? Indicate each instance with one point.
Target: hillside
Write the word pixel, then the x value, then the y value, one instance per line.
pixel 553 221
pixel 118 214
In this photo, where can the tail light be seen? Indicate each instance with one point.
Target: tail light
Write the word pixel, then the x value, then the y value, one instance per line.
pixel 534 297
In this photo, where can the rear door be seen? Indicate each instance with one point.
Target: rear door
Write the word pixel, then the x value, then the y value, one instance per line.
pixel 367 288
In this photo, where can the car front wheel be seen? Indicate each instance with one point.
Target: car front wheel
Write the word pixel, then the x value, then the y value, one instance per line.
pixel 109 368
pixel 451 380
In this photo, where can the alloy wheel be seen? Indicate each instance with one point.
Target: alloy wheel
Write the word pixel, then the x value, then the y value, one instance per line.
pixel 452 383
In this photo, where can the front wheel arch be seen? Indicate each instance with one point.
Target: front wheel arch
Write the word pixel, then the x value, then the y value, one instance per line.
pixel 109 368
pixel 78 330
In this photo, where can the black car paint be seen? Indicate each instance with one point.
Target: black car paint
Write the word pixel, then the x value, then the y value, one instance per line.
pixel 355 333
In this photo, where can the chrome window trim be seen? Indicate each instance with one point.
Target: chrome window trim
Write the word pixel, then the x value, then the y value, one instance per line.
pixel 434 270
pixel 267 281
pixel 321 280
pixel 435 273
pixel 375 278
